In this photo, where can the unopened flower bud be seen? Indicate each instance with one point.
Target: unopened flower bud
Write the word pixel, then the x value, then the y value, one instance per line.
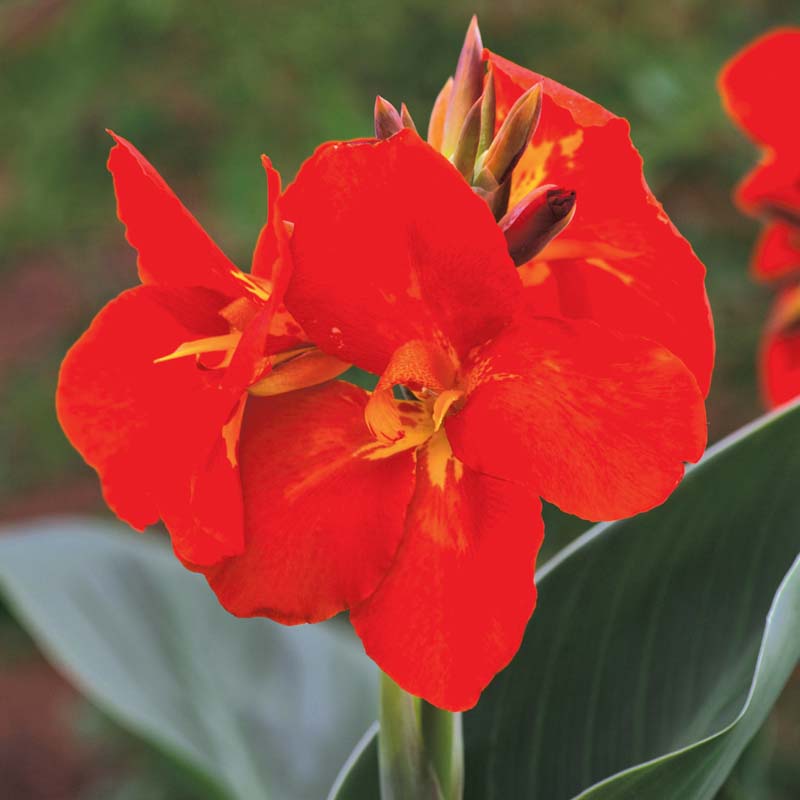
pixel 488 111
pixel 467 87
pixel 405 116
pixel 536 220
pixel 511 140
pixel 496 197
pixel 467 147
pixel 387 119
pixel 436 124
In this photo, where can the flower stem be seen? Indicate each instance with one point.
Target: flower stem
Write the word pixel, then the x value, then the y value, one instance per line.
pixel 444 743
pixel 420 748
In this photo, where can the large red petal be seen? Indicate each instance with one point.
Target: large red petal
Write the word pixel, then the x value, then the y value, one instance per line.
pixel 173 248
pixel 324 507
pixel 585 112
pixel 452 611
pixel 597 422
pixel 779 365
pixel 777 253
pixel 753 87
pixel 391 245
pixel 151 430
pixel 620 261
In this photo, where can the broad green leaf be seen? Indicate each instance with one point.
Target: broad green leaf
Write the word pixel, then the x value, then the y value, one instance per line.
pixel 360 771
pixel 659 645
pixel 257 710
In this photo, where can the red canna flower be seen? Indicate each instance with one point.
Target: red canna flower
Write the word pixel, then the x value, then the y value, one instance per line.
pixel 578 376
pixel 584 387
pixel 771 192
pixel 154 392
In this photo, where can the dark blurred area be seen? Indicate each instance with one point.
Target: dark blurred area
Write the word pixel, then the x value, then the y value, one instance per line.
pixel 203 89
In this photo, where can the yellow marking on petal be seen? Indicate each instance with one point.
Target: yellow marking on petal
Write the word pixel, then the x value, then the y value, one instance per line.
pixel 530 172
pixel 534 273
pixel 565 248
pixel 601 263
pixel 230 432
pixel 211 344
pixel 438 460
pixel 443 403
pixel 315 475
pixel 570 144
pixel 414 290
pixel 415 428
pixel 259 287
pixel 239 312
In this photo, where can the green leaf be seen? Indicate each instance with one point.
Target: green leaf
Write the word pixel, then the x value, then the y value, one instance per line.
pixel 257 710
pixel 659 645
pixel 361 770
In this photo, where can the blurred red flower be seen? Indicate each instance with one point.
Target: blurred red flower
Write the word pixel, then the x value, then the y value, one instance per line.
pixel 752 85
pixel 578 376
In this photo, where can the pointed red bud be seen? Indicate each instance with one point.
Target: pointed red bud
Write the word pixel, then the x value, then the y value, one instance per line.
pixel 513 137
pixel 387 119
pixel 467 87
pixel 436 124
pixel 405 116
pixel 536 220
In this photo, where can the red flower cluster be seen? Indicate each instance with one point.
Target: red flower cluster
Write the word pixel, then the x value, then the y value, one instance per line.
pixel 752 88
pixel 207 398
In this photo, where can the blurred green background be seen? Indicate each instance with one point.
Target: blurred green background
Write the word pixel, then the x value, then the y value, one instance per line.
pixel 204 88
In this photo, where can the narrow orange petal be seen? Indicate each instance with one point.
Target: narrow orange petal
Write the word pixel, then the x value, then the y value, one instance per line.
pixel 211 344
pixel 298 369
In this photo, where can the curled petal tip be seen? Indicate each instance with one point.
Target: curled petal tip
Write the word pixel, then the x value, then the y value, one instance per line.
pixel 536 220
pixel 387 119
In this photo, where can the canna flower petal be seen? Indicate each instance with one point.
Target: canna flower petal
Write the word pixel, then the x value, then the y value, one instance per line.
pixel 597 422
pixel 772 188
pixel 272 264
pixel 173 248
pixel 777 253
pixel 150 429
pixel 391 245
pixel 620 261
pixel 452 611
pixel 324 507
pixel 154 393
pixel 779 364
pixel 754 96
pixel 753 88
